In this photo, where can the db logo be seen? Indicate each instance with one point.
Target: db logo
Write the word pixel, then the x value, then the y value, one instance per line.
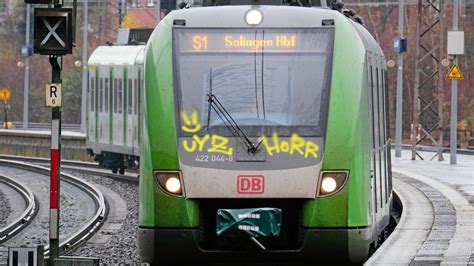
pixel 250 184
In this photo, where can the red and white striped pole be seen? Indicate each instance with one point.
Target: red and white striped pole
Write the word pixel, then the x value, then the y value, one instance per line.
pixel 55 168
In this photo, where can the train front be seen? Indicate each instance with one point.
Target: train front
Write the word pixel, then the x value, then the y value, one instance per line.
pixel 235 122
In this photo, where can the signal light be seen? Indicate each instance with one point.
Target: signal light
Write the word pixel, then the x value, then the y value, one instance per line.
pixel 53 32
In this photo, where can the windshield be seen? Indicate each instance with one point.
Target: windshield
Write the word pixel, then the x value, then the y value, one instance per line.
pixel 267 80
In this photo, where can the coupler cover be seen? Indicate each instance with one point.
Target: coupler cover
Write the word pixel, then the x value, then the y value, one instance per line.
pixel 248 223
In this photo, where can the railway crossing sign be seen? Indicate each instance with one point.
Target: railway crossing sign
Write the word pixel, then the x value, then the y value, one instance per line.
pixel 454 73
pixel 53 32
pixel 5 94
pixel 53 95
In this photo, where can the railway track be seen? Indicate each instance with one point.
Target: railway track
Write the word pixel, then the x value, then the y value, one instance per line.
pixel 86 229
pixel 26 216
pixel 92 250
pixel 76 166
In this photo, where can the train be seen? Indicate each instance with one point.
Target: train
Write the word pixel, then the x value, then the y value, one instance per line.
pixel 261 134
pixel 115 86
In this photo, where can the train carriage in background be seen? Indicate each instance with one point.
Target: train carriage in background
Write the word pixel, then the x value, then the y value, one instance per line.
pixel 263 111
pixel 114 96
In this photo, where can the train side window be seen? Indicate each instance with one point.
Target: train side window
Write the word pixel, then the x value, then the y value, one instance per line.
pixel 140 88
pixel 92 94
pixel 384 114
pixel 114 97
pixel 389 163
pixel 101 94
pixel 383 135
pixel 130 95
pixel 383 132
pixel 119 96
pixel 388 182
pixel 135 109
pixel 125 93
pixel 106 97
pixel 379 107
pixel 387 117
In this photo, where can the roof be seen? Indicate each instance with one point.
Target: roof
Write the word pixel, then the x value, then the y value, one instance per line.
pixel 117 55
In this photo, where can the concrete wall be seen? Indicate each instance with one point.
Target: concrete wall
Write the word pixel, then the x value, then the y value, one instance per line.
pixel 38 144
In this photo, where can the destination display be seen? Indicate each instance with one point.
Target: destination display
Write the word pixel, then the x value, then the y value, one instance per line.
pixel 284 40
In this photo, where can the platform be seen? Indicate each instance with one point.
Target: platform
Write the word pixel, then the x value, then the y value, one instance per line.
pixel 437 224
pixel 37 143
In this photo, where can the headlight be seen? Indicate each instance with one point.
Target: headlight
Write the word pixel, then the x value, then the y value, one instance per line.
pixel 331 182
pixel 328 185
pixel 253 17
pixel 170 182
pixel 173 185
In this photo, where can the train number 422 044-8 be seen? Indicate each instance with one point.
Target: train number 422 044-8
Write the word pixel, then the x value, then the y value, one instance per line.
pixel 213 158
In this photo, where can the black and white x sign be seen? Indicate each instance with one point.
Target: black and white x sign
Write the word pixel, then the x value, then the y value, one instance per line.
pixel 53 31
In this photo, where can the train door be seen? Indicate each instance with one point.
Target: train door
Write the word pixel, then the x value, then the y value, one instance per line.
pixel 141 92
pixel 92 103
pixel 135 78
pixel 103 95
pixel 118 106
pixel 373 180
pixel 379 130
pixel 129 108
pixel 382 135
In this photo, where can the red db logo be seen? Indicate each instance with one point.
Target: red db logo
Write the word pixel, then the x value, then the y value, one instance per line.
pixel 250 184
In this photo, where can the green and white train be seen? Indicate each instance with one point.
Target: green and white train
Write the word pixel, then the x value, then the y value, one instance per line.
pixel 253 117
pixel 115 86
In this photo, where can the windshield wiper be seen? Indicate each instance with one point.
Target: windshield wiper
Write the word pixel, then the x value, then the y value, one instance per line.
pixel 209 99
pixel 229 121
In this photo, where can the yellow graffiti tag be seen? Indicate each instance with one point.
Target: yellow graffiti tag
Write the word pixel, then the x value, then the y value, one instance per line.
pixel 190 124
pixel 218 144
pixel 296 144
pixel 197 141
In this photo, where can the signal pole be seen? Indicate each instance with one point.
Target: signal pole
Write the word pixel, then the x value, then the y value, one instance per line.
pixel 85 43
pixel 399 104
pixel 54 36
pixel 27 69
pixel 55 167
pixel 454 94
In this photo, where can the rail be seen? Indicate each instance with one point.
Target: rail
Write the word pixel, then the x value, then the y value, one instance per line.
pixel 78 166
pixel 92 225
pixel 26 216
